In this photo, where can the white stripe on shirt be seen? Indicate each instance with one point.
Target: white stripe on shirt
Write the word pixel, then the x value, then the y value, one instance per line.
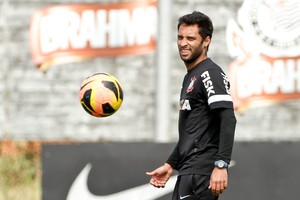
pixel 217 98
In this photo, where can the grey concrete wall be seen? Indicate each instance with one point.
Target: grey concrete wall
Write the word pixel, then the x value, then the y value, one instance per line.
pixel 34 105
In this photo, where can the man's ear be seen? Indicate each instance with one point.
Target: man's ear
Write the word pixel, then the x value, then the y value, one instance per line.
pixel 207 41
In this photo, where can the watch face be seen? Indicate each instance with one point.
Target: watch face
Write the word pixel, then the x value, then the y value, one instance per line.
pixel 220 164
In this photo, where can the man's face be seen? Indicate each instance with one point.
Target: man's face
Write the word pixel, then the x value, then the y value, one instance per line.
pixel 190 44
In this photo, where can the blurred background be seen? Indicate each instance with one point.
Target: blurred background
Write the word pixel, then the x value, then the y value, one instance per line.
pixel 47 48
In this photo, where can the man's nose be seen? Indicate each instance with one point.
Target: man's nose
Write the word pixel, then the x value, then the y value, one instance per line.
pixel 183 42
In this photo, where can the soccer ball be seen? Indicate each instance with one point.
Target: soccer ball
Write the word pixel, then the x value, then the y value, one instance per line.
pixel 101 95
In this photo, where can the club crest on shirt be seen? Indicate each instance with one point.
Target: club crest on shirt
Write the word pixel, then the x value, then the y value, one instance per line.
pixel 191 85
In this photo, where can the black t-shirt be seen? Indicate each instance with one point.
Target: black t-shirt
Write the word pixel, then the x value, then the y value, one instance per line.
pixel 205 88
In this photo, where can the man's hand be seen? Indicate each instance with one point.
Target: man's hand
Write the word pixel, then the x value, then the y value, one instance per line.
pixel 160 176
pixel 218 181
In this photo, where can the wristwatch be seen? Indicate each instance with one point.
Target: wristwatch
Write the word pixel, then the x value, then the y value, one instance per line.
pixel 221 164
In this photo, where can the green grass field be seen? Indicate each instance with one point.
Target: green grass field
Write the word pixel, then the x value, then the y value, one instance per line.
pixel 20 170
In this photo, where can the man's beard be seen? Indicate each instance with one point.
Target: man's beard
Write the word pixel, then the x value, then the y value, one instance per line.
pixel 193 57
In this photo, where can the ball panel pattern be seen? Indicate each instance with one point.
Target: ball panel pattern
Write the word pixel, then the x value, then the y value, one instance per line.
pixel 101 95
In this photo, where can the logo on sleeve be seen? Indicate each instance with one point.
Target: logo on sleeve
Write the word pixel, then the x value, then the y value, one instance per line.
pixel 226 82
pixel 208 84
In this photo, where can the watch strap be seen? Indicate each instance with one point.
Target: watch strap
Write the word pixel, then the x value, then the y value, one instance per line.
pixel 221 164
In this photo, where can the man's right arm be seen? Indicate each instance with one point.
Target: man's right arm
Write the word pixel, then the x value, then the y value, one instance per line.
pixel 173 160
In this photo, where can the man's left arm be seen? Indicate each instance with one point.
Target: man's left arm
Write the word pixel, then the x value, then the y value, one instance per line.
pixel 227 129
pixel 219 176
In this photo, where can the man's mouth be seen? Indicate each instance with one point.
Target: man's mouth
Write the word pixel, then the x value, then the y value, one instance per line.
pixel 184 52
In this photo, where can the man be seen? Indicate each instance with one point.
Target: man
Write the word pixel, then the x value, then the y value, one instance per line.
pixel 206 119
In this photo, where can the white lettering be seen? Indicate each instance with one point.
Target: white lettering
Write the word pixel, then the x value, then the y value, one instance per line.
pixel 264 78
pixel 208 83
pixel 62 30
pixel 88 29
pixel 226 83
pixel 185 105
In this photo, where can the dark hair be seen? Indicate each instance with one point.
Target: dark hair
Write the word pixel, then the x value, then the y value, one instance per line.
pixel 203 21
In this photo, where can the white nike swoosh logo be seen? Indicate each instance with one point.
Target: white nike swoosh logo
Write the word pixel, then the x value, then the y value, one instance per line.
pixel 80 191
pixel 186 196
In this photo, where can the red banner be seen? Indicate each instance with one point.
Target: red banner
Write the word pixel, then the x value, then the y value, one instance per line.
pixel 73 32
pixel 265 43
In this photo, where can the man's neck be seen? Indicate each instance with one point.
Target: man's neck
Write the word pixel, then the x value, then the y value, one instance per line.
pixel 190 66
